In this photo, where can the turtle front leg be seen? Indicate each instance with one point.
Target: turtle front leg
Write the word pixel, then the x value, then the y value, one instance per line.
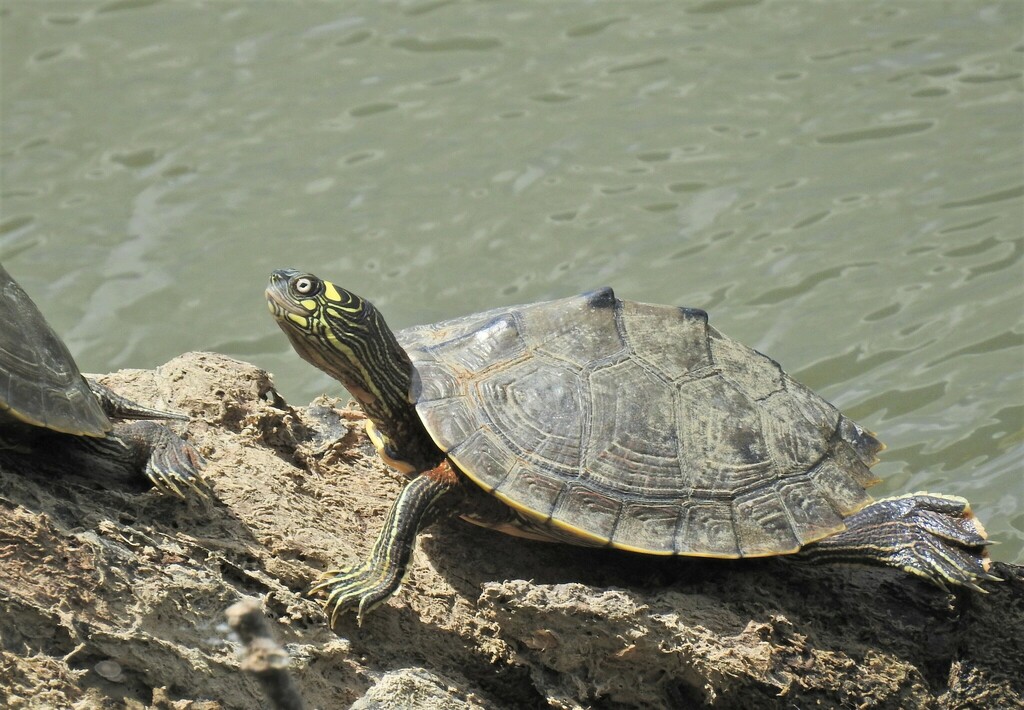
pixel 366 585
pixel 170 463
pixel 935 537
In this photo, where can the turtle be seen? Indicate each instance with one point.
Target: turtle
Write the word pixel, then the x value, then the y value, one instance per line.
pixel 55 419
pixel 611 423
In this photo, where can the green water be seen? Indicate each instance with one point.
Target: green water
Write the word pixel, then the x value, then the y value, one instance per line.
pixel 840 184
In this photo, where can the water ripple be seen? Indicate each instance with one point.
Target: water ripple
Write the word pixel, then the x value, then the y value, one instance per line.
pixel 879 133
pixel 1011 193
pixel 449 44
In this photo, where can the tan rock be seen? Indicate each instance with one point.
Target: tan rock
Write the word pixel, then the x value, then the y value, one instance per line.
pixel 115 598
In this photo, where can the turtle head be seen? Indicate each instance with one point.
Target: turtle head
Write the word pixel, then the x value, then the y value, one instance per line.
pixel 346 337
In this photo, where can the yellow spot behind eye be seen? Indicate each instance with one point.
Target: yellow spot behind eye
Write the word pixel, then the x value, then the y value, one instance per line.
pixel 302 321
pixel 331 292
pixel 309 304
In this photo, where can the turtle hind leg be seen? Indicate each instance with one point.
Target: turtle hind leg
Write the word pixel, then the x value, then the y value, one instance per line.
pixel 117 407
pixel 170 463
pixel 366 585
pixel 932 536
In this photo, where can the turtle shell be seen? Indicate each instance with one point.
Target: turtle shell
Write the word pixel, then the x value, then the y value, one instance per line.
pixel 40 384
pixel 638 426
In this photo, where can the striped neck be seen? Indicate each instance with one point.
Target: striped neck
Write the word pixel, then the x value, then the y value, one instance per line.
pixel 346 337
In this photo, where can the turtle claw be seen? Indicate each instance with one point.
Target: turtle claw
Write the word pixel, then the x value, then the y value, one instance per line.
pixel 163 484
pixel 362 587
pixel 173 483
pixel 174 467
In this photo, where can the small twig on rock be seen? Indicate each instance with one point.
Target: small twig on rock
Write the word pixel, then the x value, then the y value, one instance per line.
pixel 264 658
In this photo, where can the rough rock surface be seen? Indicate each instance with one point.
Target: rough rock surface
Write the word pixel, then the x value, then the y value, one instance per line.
pixel 111 597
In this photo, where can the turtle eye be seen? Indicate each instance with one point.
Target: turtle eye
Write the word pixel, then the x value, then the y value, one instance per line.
pixel 304 285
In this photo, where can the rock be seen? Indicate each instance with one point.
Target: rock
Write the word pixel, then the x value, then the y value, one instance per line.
pixel 414 689
pixel 111 597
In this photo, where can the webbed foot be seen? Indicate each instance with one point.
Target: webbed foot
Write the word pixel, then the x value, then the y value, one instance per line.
pixel 174 466
pixel 170 463
pixel 362 588
pixel 935 537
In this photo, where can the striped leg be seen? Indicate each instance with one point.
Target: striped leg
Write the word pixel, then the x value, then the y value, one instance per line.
pixel 932 536
pixel 368 584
